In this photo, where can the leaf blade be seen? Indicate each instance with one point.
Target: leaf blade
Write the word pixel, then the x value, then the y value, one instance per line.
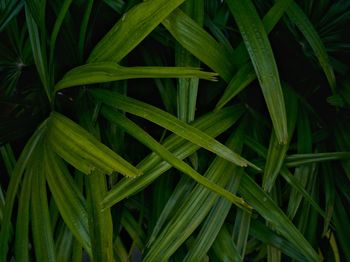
pixel 169 122
pixel 261 55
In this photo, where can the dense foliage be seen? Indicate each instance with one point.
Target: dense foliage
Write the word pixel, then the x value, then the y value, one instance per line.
pixel 198 130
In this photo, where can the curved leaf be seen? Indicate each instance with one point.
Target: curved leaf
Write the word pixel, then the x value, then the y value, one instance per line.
pixel 199 43
pixel 137 132
pixel 298 17
pixel 16 177
pixel 109 71
pixel 81 149
pixel 169 122
pixel 268 209
pixel 41 222
pixel 131 29
pixel 68 199
pixel 261 55
pixel 153 166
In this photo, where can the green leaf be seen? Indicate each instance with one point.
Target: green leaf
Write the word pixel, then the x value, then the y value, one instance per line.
pixel 181 191
pixel 37 9
pixel 23 217
pixel 153 165
pixel 8 158
pixel 109 71
pixel 298 17
pixel 267 236
pixel 199 43
pixel 268 209
pixel 100 222
pixel 246 74
pixel 133 228
pixel 137 132
pixel 81 149
pixel 224 247
pixel 41 221
pixel 261 55
pixel 277 152
pixel 131 29
pixel 296 184
pixel 303 159
pixel 214 223
pixel 57 26
pixel 68 198
pixel 187 89
pixel 9 11
pixel 84 27
pixel 165 86
pixel 271 18
pixel 195 209
pixel 39 53
pixel 16 178
pixel 64 243
pixel 240 80
pixel 169 122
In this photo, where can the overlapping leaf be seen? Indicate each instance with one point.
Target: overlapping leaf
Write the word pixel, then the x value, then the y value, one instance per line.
pixel 109 71
pixel 79 148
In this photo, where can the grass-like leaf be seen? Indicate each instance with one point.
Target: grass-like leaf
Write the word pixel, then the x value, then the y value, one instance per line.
pixel 267 236
pixel 303 159
pixel 57 26
pixel 277 152
pixel 9 11
pixel 267 208
pixel 12 189
pixel 109 71
pixel 137 132
pixel 194 209
pixel 188 88
pixel 199 43
pixel 22 226
pixel 41 222
pixel 131 29
pixel 39 52
pixel 169 122
pixel 224 246
pixel 298 17
pixel 79 148
pixel 153 166
pixel 68 198
pixel 261 55
pixel 246 74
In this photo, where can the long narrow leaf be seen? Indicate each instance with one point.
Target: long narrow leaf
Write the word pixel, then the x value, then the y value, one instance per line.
pixel 39 52
pixel 109 71
pixel 298 17
pixel 153 166
pixel 277 152
pixel 246 73
pixel 16 178
pixel 100 222
pixel 194 209
pixel 188 88
pixel 68 199
pixel 169 122
pixel 81 149
pixel 146 139
pixel 199 43
pixel 58 23
pixel 267 208
pixel 131 29
pixel 41 221
pixel 22 226
pixel 260 52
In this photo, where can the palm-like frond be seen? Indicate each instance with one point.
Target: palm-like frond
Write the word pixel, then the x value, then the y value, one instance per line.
pixel 106 155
